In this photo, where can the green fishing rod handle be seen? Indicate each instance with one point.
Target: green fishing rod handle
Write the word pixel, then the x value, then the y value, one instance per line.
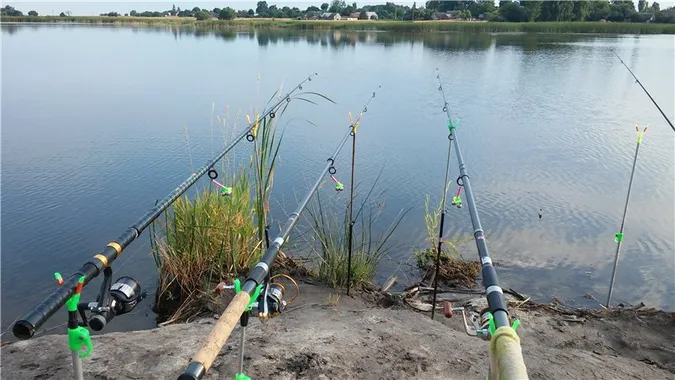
pixel 493 327
pixel 77 339
pixel 241 376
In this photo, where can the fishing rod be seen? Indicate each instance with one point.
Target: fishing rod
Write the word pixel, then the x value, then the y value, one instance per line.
pixel 445 195
pixel 646 92
pixel 247 295
pixel 618 238
pixel 506 355
pixel 25 328
pixel 354 127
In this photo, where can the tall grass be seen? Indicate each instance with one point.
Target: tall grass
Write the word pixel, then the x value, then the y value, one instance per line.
pixel 332 241
pixel 431 220
pixel 214 238
pixel 203 241
pixel 266 151
pixel 383 25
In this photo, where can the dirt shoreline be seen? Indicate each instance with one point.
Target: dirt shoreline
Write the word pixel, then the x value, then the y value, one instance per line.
pixel 358 339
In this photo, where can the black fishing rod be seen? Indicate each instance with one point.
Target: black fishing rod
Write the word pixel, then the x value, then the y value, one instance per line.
pixel 646 92
pixel 506 357
pixel 25 328
pixel 251 289
pixel 354 127
pixel 445 194
pixel 494 293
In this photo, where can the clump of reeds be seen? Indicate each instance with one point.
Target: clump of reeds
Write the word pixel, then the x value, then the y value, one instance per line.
pixel 203 241
pixel 452 271
pixel 213 238
pixel 331 246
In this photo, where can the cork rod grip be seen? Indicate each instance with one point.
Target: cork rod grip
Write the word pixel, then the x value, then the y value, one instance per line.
pixel 222 330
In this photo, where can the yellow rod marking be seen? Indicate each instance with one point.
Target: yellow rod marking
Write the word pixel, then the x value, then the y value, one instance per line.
pixel 114 245
pixel 102 259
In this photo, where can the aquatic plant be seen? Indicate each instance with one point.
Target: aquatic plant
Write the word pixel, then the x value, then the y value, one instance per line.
pixel 331 245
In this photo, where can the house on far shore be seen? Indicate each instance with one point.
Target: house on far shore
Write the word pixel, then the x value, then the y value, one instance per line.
pixel 330 16
pixel 445 15
pixel 357 16
pixel 371 15
pixel 312 15
pixel 349 18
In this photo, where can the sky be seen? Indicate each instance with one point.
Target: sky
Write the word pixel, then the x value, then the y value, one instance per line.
pixel 96 7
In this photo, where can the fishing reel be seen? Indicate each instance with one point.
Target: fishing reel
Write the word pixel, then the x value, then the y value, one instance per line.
pixel 271 301
pixel 113 299
pixel 480 325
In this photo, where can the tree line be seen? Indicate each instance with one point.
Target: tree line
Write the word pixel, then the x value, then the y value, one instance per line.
pixel 615 11
pixel 509 11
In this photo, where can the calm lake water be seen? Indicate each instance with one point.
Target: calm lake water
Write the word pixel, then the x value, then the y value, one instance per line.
pixel 94 123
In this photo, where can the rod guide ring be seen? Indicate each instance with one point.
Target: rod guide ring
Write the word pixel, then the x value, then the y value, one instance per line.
pixel 461 177
pixel 213 174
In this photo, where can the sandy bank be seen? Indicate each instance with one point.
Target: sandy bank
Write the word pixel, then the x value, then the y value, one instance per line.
pixel 356 339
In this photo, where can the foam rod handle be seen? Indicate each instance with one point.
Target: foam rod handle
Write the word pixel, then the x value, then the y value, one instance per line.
pixel 506 355
pixel 226 323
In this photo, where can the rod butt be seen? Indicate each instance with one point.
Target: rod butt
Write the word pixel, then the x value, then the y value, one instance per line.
pixel 194 371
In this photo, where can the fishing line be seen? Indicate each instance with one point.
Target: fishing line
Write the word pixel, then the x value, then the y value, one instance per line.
pixel 26 327
pixel 446 185
pixel 187 141
pixel 646 92
pixel 506 357
pixel 354 127
pixel 494 293
pixel 618 237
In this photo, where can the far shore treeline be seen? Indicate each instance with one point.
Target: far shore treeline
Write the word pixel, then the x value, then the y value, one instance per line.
pixel 505 11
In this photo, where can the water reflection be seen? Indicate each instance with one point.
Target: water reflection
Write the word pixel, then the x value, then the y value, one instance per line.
pixel 340 39
pixel 436 41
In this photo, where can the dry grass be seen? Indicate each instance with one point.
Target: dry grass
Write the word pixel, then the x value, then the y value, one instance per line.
pixel 452 271
pixel 332 300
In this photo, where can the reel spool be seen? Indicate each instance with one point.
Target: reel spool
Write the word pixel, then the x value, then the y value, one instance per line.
pixel 116 299
pixel 275 300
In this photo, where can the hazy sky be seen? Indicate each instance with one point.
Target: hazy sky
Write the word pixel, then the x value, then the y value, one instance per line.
pixel 95 7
